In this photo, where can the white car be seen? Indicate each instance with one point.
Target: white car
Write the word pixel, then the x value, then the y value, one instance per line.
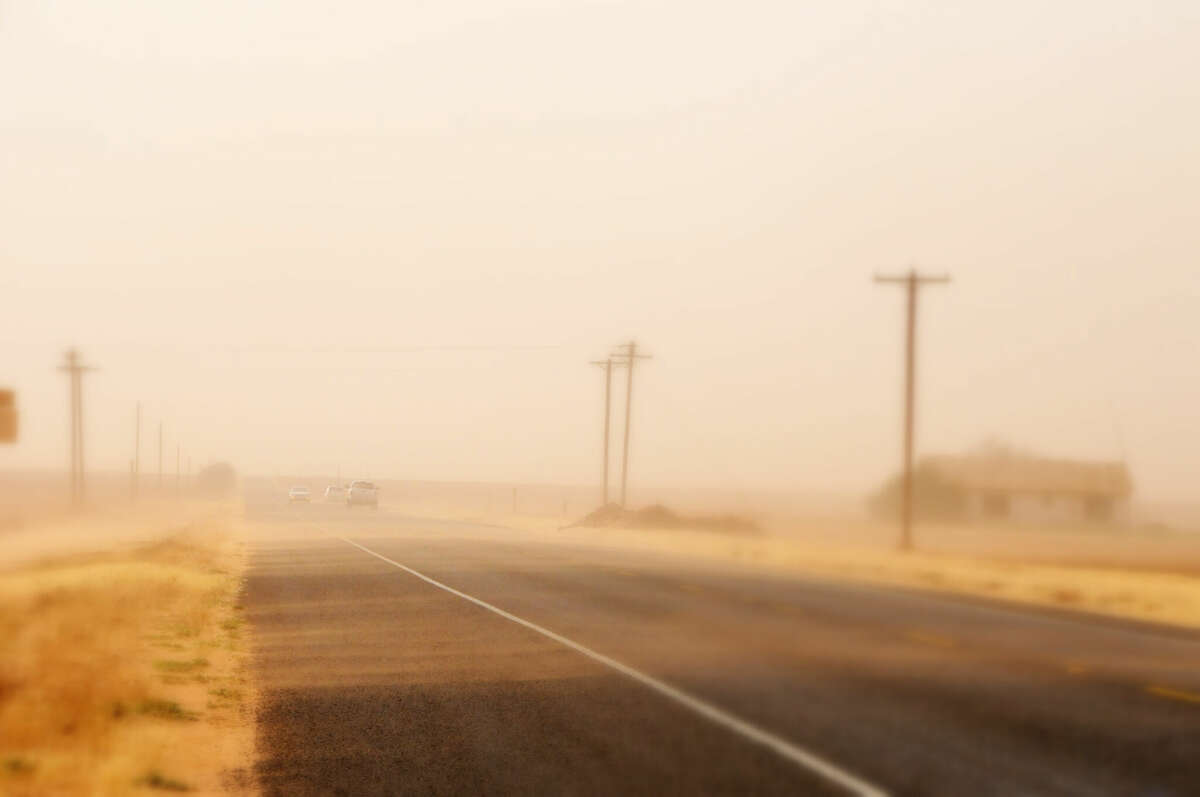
pixel 335 492
pixel 364 493
pixel 297 494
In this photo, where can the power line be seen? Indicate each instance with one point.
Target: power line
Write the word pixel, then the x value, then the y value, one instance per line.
pixel 912 281
pixel 415 349
pixel 168 348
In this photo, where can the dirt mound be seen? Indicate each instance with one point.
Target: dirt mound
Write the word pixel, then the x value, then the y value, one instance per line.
pixel 658 516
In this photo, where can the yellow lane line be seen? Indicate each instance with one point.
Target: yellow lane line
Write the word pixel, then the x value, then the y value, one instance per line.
pixel 1174 694
pixel 930 638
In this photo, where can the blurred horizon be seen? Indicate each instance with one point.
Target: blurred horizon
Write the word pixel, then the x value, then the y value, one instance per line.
pixel 234 212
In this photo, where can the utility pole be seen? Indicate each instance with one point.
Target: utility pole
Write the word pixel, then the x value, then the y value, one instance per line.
pixel 607 365
pixel 77 434
pixel 628 358
pixel 75 369
pixel 8 417
pixel 137 451
pixel 912 281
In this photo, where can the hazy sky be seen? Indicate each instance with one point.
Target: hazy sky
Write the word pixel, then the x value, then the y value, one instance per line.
pixel 214 198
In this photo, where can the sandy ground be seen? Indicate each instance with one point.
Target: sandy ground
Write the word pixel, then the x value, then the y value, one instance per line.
pixel 124 656
pixel 103 528
pixel 1148 595
pixel 1146 576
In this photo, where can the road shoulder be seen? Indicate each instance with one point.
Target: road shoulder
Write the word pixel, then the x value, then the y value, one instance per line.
pixel 126 670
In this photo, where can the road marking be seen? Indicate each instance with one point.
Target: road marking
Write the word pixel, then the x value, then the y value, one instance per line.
pixel 1174 694
pixel 792 752
pixel 931 638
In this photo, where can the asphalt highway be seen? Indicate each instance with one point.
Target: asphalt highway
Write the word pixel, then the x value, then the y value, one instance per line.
pixel 400 655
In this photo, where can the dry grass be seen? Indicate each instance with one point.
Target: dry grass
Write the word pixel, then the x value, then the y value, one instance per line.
pixel 1133 574
pixel 1130 592
pixel 105 529
pixel 123 672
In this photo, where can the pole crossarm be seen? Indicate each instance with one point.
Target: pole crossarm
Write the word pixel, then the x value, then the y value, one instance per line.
pixel 920 279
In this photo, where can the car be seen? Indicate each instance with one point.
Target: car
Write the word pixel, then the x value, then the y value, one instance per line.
pixel 364 493
pixel 335 492
pixel 298 494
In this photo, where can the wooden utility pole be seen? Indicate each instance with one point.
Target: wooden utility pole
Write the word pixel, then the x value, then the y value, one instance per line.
pixel 627 358
pixel 75 369
pixel 77 432
pixel 912 281
pixel 8 416
pixel 137 451
pixel 607 365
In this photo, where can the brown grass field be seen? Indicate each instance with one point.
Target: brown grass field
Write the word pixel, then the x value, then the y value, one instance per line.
pixel 124 670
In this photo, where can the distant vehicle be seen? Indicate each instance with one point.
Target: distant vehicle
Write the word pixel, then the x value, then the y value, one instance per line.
pixel 297 494
pixel 364 493
pixel 335 492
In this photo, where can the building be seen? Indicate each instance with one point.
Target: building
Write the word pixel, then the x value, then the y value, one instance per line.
pixel 1004 485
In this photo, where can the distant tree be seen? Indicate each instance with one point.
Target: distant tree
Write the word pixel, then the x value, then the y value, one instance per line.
pixel 933 499
pixel 997 448
pixel 217 479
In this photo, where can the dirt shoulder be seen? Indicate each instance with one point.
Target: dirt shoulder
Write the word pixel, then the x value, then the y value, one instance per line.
pixel 126 670
pixel 1129 593
pixel 1146 578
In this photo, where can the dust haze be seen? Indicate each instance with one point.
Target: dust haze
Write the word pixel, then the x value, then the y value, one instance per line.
pixel 295 294
pixel 391 239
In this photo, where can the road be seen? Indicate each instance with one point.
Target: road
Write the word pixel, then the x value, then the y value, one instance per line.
pixel 400 655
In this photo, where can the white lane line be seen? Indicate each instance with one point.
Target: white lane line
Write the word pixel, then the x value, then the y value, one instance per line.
pixel 794 753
